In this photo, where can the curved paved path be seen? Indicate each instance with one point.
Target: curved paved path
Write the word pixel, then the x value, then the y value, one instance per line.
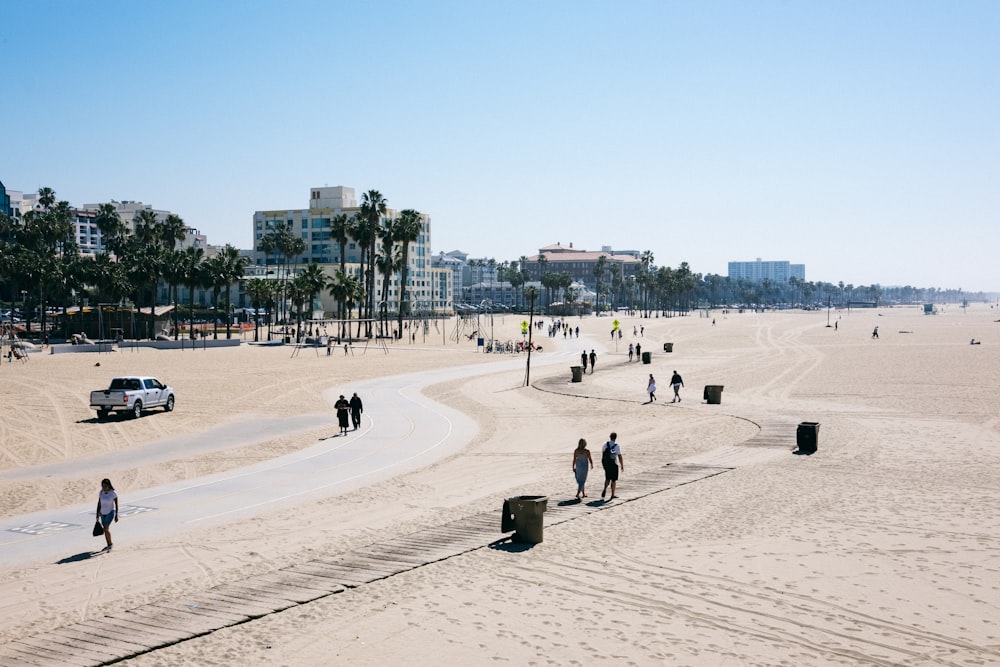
pixel 408 431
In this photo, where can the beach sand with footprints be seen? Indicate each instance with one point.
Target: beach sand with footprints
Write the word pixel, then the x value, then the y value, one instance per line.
pixel 881 548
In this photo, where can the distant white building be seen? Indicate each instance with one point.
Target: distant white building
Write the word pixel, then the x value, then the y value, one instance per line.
pixel 758 270
pixel 314 226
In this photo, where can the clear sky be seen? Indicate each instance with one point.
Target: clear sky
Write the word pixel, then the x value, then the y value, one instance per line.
pixel 861 139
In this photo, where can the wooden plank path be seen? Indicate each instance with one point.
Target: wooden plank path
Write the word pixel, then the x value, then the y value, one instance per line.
pixel 125 634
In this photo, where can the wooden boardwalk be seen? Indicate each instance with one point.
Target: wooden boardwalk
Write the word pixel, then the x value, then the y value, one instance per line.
pixel 126 634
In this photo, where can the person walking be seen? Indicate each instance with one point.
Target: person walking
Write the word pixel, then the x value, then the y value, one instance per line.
pixel 676 382
pixel 651 388
pixel 875 333
pixel 583 361
pixel 356 409
pixel 107 509
pixel 631 351
pixel 613 464
pixel 582 465
pixel 638 351
pixel 593 361
pixel 343 409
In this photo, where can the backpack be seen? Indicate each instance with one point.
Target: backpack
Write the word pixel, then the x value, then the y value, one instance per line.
pixel 607 459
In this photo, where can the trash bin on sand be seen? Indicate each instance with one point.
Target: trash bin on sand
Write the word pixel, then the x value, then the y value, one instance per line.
pixel 807 437
pixel 668 347
pixel 527 511
pixel 577 373
pixel 713 394
pixel 646 357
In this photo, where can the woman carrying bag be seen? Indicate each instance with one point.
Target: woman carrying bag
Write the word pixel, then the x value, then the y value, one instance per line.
pixel 107 509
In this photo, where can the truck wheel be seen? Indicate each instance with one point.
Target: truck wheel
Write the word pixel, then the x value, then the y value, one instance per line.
pixel 137 409
pixel 170 403
pixel 102 415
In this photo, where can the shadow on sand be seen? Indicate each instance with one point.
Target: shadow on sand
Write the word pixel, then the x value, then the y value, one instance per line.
pixel 76 558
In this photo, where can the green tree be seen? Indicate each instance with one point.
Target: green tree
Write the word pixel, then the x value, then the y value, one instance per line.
pixel 409 227
pixel 373 208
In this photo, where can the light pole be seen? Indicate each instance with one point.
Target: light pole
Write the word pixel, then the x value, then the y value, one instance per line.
pixel 487 303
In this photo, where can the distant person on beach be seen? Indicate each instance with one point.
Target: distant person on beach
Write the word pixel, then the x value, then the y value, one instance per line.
pixel 613 464
pixel 582 465
pixel 631 351
pixel 343 417
pixel 593 361
pixel 107 509
pixel 356 409
pixel 638 351
pixel 875 333
pixel 651 388
pixel 583 361
pixel 677 383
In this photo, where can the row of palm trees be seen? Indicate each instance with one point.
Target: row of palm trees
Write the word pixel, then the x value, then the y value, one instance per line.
pixel 41 262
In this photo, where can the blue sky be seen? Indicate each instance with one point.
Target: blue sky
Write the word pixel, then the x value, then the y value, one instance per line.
pixel 858 138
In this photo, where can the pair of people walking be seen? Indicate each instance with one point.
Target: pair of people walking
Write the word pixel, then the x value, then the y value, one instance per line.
pixel 348 411
pixel 611 461
pixel 593 361
pixel 675 381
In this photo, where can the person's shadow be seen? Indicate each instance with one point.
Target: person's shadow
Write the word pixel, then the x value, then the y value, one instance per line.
pixel 76 558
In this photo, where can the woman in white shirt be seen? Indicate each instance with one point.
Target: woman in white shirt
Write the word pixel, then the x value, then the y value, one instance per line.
pixel 107 509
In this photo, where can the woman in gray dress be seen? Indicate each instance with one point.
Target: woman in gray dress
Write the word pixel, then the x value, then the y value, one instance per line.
pixel 582 464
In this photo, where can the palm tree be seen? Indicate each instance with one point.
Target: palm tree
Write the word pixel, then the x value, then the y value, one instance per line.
pixel 194 276
pixel 387 266
pixel 408 230
pixel 232 268
pixel 599 268
pixel 347 290
pixel 174 273
pixel 373 207
pixel 315 281
pixel 259 292
pixel 340 228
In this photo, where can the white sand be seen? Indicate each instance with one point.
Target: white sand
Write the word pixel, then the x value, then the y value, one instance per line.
pixel 879 549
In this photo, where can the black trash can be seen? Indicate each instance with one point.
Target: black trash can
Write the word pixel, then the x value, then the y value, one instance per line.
pixel 713 394
pixel 647 357
pixel 527 511
pixel 668 347
pixel 577 373
pixel 807 437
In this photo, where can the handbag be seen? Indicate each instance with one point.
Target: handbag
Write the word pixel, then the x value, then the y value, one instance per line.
pixel 98 528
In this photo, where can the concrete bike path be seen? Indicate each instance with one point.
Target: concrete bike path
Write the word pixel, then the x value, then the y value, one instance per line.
pixel 402 430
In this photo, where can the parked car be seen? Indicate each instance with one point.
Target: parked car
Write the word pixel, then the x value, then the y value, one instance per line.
pixel 133 395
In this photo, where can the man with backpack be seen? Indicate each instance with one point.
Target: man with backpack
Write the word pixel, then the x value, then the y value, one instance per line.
pixel 613 463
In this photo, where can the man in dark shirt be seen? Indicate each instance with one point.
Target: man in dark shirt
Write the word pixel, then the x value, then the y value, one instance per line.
pixel 356 409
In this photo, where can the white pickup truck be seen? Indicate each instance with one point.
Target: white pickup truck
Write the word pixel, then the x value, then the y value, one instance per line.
pixel 133 395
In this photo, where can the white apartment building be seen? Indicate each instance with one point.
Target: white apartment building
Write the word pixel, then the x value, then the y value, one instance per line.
pixel 426 289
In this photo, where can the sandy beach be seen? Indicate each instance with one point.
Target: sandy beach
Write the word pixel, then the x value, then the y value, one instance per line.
pixel 882 548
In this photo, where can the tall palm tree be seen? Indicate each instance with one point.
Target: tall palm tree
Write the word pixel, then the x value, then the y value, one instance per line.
pixel 259 293
pixel 387 266
pixel 233 267
pixel 373 207
pixel 360 232
pixel 408 230
pixel 347 290
pixel 599 268
pixel 174 273
pixel 194 276
pixel 340 228
pixel 315 281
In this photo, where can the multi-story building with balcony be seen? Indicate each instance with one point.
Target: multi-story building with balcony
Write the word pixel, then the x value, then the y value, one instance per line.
pixel 314 225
